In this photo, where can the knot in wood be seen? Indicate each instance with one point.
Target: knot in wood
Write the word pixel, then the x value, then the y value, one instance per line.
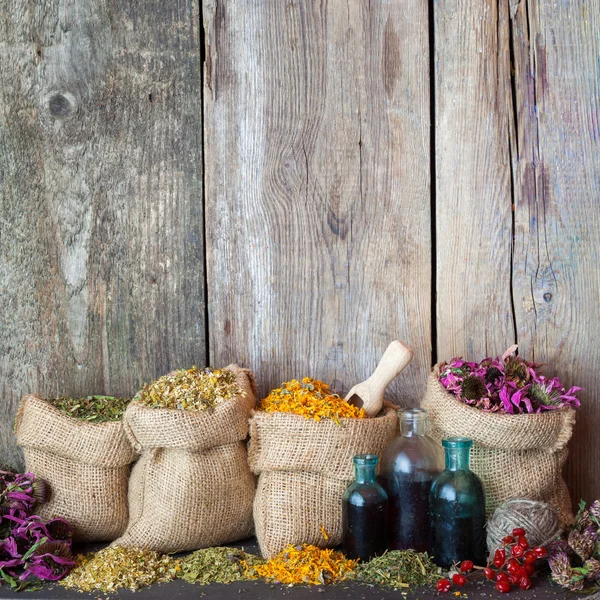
pixel 61 105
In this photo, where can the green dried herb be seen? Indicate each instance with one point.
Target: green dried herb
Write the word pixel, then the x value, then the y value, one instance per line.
pixel 399 569
pixel 217 565
pixel 97 409
pixel 190 389
pixel 116 567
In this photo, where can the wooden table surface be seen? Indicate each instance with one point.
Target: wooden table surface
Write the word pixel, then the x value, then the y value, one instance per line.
pixel 258 590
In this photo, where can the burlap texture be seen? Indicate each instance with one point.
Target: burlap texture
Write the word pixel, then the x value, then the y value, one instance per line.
pixel 304 466
pixel 192 487
pixel 514 455
pixel 85 464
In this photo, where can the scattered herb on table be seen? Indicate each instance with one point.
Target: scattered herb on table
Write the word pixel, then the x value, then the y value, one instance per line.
pixel 218 565
pixel 116 567
pixel 96 409
pixel 399 569
pixel 190 389
pixel 34 550
pixel 575 559
pixel 505 385
pixel 297 565
pixel 310 398
pixel 20 492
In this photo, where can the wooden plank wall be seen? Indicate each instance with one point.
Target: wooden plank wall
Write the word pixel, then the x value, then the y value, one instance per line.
pixel 360 171
pixel 101 225
pixel 517 115
pixel 317 187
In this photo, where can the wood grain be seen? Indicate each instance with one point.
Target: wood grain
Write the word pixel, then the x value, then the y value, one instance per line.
pixel 557 207
pixel 473 181
pixel 101 227
pixel 317 188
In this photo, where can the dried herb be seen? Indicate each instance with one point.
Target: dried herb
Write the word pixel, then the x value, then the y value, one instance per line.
pixel 116 567
pixel 218 565
pixel 399 569
pixel 190 389
pixel 34 550
pixel 507 384
pixel 304 565
pixel 97 409
pixel 310 398
pixel 575 559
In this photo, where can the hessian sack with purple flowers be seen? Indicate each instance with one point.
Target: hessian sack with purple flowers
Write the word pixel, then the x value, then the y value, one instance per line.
pixel 86 466
pixel 533 443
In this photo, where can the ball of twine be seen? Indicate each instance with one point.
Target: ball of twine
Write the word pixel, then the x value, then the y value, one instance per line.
pixel 539 520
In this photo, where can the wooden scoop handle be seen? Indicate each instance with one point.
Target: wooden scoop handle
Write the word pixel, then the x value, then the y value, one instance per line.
pixel 394 360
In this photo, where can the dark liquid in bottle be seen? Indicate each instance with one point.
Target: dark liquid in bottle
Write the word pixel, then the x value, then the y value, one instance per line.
pixel 364 528
pixel 408 514
pixel 455 538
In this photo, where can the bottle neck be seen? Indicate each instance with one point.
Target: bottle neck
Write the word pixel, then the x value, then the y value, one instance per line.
pixel 365 473
pixel 457 459
pixel 413 422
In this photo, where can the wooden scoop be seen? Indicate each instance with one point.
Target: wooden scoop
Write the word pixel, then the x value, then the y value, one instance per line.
pixel 369 393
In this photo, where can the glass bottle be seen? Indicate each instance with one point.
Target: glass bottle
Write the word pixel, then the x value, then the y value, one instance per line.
pixel 364 509
pixel 458 508
pixel 409 465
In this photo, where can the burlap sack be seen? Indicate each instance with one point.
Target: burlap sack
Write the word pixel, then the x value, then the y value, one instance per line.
pixel 513 455
pixel 192 487
pixel 85 464
pixel 304 466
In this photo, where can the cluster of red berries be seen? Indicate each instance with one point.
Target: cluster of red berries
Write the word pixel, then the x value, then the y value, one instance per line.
pixel 514 564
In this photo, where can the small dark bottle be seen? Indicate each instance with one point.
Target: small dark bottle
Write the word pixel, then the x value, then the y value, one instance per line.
pixel 364 509
pixel 409 465
pixel 457 504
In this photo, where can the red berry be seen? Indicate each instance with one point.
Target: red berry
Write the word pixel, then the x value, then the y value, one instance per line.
pixel 503 586
pixel 443 585
pixel 525 583
pixel 517 531
pixel 459 579
pixel 512 566
pixel 523 572
pixel 499 557
pixel 514 579
pixel 530 570
pixel 517 551
pixel 509 539
pixel 529 557
pixel 522 541
pixel 490 573
pixel 502 576
pixel 540 551
pixel 466 566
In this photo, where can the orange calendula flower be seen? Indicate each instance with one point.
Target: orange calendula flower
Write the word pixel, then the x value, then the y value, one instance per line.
pixel 305 565
pixel 310 398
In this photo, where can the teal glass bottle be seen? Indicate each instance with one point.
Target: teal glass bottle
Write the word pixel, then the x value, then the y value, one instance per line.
pixel 364 512
pixel 457 505
pixel 409 465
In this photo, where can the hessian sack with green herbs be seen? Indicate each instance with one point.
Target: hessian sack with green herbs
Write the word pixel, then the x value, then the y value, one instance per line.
pixel 192 487
pixel 86 466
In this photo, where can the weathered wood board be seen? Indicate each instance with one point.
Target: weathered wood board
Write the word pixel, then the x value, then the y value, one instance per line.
pixel 556 277
pixel 473 187
pixel 318 187
pixel 517 123
pixel 101 213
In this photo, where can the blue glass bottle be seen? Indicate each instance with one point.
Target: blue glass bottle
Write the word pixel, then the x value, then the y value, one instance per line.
pixel 409 465
pixel 364 512
pixel 457 505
